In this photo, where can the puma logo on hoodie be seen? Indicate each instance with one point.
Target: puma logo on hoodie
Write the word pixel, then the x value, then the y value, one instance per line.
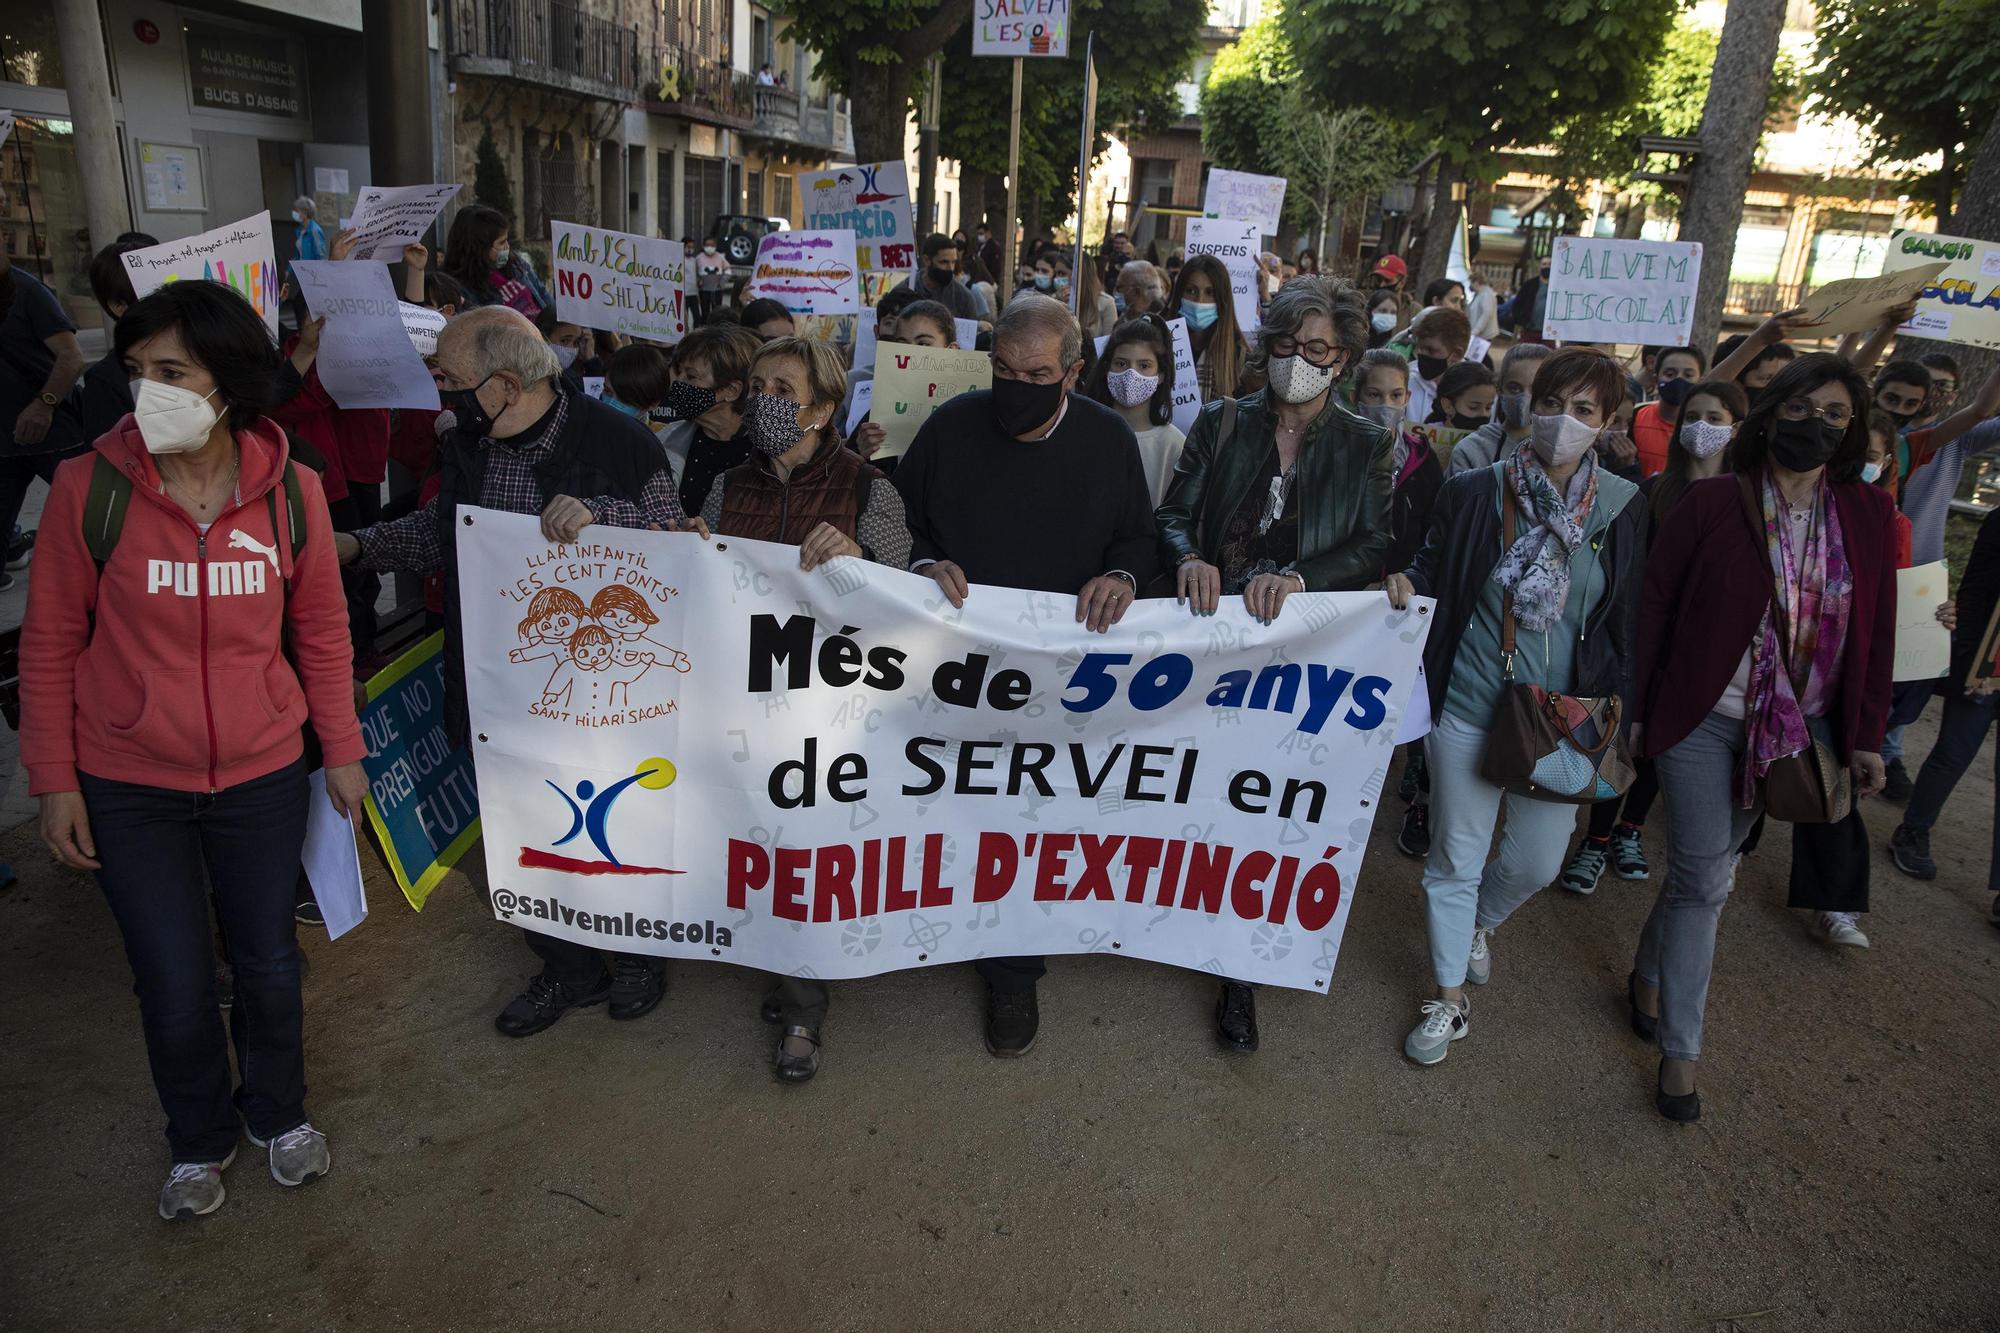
pixel 226 578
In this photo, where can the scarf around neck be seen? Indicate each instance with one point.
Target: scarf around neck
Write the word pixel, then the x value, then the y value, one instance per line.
pixel 1548 529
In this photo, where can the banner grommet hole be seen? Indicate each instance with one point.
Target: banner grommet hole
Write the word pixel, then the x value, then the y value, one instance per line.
pixel 482 736
pixel 722 546
pixel 468 520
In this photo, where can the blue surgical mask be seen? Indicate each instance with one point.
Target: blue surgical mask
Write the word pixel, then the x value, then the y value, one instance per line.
pixel 565 355
pixel 1871 473
pixel 1044 281
pixel 613 401
pixel 1062 283
pixel 1199 314
pixel 500 259
pixel 298 216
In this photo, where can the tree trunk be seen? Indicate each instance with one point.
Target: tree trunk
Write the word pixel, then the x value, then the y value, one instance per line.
pixel 971 198
pixel 1731 122
pixel 1631 217
pixel 881 95
pixel 1943 191
pixel 1978 214
pixel 1439 228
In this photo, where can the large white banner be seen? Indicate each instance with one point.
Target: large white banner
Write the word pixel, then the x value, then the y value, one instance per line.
pixel 692 748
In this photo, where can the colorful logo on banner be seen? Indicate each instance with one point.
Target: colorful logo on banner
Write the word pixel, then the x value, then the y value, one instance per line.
pixel 590 815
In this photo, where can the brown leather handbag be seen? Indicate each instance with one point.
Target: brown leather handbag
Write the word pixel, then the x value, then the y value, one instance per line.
pixel 1812 786
pixel 1545 744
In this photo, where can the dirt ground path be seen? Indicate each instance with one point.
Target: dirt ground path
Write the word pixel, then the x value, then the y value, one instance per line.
pixel 1125 1175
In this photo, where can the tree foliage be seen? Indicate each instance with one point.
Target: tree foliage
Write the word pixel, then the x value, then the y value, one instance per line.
pixel 1600 145
pixel 1144 48
pixel 1255 116
pixel 872 50
pixel 1920 78
pixel 490 185
pixel 1475 76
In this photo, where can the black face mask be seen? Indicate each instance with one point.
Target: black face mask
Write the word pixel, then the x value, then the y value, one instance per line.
pixel 940 276
pixel 1804 445
pixel 1675 392
pixel 1022 406
pixel 1430 367
pixel 465 409
pixel 1460 421
pixel 1902 419
pixel 688 401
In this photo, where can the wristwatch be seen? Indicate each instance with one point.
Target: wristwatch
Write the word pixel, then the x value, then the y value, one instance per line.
pixel 49 398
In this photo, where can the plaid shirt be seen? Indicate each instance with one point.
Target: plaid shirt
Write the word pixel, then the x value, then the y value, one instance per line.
pixel 411 543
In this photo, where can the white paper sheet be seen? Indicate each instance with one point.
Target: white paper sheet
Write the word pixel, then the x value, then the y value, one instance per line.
pixel 1923 646
pixel 366 356
pixel 332 864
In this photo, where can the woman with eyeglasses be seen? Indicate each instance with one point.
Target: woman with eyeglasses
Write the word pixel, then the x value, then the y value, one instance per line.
pixel 1282 491
pixel 1767 623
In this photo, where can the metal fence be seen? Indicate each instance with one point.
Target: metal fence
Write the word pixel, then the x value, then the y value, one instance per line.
pixel 549 41
pixel 681 75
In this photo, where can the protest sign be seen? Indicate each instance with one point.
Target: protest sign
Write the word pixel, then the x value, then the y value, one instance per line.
pixel 1187 390
pixel 388 218
pixel 864 337
pixel 1235 243
pixel 1443 438
pixel 365 357
pixel 632 285
pixel 807 272
pixel 593 386
pixel 859 402
pixel 1960 305
pixel 872 200
pixel 1610 291
pixel 965 332
pixel 421 798
pixel 1020 27
pixel 1245 197
pixel 1923 644
pixel 1860 303
pixel 911 382
pixel 238 254
pixel 695 748
pixel 6 127
pixel 423 324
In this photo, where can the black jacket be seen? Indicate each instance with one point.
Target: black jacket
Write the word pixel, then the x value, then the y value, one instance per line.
pixel 600 451
pixel 1410 512
pixel 1978 594
pixel 1460 554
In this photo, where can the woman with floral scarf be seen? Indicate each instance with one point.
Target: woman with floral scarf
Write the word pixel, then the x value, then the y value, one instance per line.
pixel 1729 679
pixel 1571 573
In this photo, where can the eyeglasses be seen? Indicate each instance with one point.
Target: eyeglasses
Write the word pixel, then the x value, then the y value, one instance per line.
pixel 1798 409
pixel 1318 351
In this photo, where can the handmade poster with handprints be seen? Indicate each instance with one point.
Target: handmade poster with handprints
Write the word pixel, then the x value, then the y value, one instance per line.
pixel 594 647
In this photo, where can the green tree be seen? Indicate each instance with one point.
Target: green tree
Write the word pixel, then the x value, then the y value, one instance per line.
pixel 490 185
pixel 1920 78
pixel 1473 76
pixel 874 51
pixel 1255 117
pixel 1143 48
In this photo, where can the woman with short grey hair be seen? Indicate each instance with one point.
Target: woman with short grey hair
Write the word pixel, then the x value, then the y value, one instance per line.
pixel 1143 287
pixel 1282 491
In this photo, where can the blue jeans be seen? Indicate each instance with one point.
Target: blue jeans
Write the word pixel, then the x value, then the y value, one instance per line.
pixel 1705 827
pixel 1462 889
pixel 1961 733
pixel 1907 700
pixel 162 851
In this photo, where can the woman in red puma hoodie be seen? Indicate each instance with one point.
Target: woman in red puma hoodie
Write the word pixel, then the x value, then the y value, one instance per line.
pixel 163 694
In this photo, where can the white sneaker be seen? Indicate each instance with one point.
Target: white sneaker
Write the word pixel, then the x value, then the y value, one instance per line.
pixel 1479 967
pixel 1839 928
pixel 1443 1023
pixel 297 1155
pixel 194 1189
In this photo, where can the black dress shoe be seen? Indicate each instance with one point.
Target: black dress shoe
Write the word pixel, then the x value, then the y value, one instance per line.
pixel 1236 1017
pixel 1683 1109
pixel 772 1010
pixel 1012 1019
pixel 797 1068
pixel 1644 1026
pixel 544 1001
pixel 637 984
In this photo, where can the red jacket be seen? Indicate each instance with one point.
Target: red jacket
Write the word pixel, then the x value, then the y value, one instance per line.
pixel 1707 586
pixel 184 681
pixel 353 441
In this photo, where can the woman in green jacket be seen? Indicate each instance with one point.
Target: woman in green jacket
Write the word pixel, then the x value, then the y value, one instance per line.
pixel 1282 491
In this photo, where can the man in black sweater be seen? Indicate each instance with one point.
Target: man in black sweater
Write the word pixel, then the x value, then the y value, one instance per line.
pixel 1030 485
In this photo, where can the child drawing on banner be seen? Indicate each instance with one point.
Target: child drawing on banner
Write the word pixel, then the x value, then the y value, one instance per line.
pixel 594 660
pixel 554 615
pixel 624 614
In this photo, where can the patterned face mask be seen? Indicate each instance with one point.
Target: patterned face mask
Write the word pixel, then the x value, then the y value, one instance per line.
pixel 773 423
pixel 1129 388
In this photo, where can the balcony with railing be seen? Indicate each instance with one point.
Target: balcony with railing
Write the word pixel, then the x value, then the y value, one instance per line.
pixel 681 81
pixel 788 116
pixel 547 43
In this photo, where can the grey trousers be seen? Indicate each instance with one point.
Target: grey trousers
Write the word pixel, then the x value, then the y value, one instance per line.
pixel 801 1000
pixel 1677 947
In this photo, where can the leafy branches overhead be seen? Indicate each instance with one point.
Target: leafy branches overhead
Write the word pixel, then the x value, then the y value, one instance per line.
pixel 1475 76
pixel 1920 78
pixel 1144 47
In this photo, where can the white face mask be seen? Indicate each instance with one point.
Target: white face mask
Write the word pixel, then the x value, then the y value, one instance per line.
pixel 501 256
pixel 1389 416
pixel 172 420
pixel 1129 388
pixel 1560 440
pixel 1297 380
pixel 565 356
pixel 1382 321
pixel 1871 473
pixel 296 216
pixel 1705 439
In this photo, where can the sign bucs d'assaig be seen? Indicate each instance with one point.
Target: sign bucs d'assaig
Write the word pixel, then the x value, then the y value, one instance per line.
pixel 692 748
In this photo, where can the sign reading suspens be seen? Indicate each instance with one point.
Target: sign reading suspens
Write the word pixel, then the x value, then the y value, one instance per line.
pixel 1607 291
pixel 694 748
pixel 1235 243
